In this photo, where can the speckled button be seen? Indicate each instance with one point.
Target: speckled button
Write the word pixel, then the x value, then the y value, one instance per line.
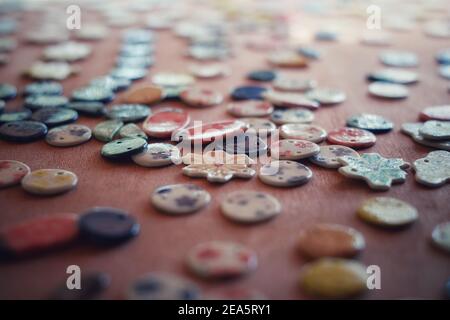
pixel 12 172
pixel 250 206
pixel 55 116
pixel 387 212
pixel 131 130
pixel 221 260
pixel 23 131
pixel 106 130
pixel 36 102
pixel 293 149
pixel 330 240
pixel 259 126
pixel 107 226
pixel 157 155
pixel 294 115
pixel 302 131
pixel 290 83
pixel 370 122
pixel 250 108
pixel 146 94
pixel 334 278
pixel 49 181
pixel 68 135
pixel 247 143
pixel 93 93
pixel 388 90
pixel 88 108
pixel 352 137
pixel 11 116
pixel 326 96
pixel 123 148
pixel 435 130
pixel 162 286
pixel 441 236
pixel 433 170
pixel 128 112
pixel 392 75
pixel 328 156
pixel 284 173
pixel 441 113
pixel 130 73
pixel 400 59
pixel 47 88
pixel 289 100
pixel 7 91
pixel 179 199
pixel 201 98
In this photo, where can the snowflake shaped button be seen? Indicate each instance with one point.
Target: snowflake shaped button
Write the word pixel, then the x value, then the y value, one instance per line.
pixel 218 166
pixel 434 169
pixel 377 171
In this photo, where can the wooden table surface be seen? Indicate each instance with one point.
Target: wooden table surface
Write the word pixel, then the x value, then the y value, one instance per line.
pixel 410 266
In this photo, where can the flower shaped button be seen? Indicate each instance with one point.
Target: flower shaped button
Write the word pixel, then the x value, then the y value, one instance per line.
pixel 377 171
pixel 434 169
pixel 218 166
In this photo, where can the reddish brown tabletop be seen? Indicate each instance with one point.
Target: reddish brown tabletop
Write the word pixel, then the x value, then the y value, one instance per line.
pixel 410 266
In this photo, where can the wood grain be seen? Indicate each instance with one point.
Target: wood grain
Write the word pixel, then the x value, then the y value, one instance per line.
pixel 410 265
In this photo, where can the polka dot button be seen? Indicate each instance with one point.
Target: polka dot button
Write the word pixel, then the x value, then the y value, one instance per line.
pixel 157 155
pixel 352 137
pixel 49 181
pixel 292 115
pixel 293 149
pixel 12 172
pixel 284 174
pixel 250 206
pixel 219 260
pixel 180 199
pixel 69 135
pixel 301 131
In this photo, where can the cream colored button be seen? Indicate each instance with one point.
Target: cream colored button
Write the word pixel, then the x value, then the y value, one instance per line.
pixel 385 211
pixel 49 181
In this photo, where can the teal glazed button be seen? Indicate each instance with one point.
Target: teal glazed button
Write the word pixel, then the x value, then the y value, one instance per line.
pixel 113 84
pixel 128 112
pixel 93 93
pixel 131 130
pixel 129 73
pixel 89 108
pixel 123 148
pixel 21 115
pixel 45 101
pixel 106 130
pixel 2 106
pixel 107 226
pixel 370 122
pixel 23 131
pixel 7 91
pixel 45 88
pixel 53 117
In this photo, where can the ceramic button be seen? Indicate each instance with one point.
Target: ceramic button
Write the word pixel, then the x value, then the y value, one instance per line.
pixel 330 240
pixel 172 79
pixel 435 130
pixel 250 108
pixel 134 62
pixel 164 122
pixel 146 94
pixel 93 94
pixel 55 116
pixel 399 59
pixel 162 286
pixel 39 234
pixel 261 127
pixel 262 75
pixel 107 226
pixel 289 100
pixel 45 101
pixel 294 115
pixel 131 130
pixel 387 212
pixel 46 88
pixel 434 169
pixel 287 59
pixel 370 122
pixel 209 71
pixel 201 98
pixel 388 90
pixel 293 149
pixel 67 51
pixel 129 73
pixel 110 83
pixel 328 156
pixel 441 236
pixel 352 137
pixel 7 91
pixel 326 96
pixel 89 108
pixel 123 148
pixel 412 130
pixel 392 75
pixel 68 135
pixel 49 181
pixel 289 83
pixel 179 199
pixel 377 171
pixel 219 260
pixel 246 143
pixel 12 172
pixel 250 206
pixel 23 131
pixel 24 114
pixel 334 278
pixel 50 71
pixel 248 93
pixel 157 155
pixel 284 173
pixel 441 113
pixel 128 112
pixel 106 130
pixel 302 131
pixel 208 132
